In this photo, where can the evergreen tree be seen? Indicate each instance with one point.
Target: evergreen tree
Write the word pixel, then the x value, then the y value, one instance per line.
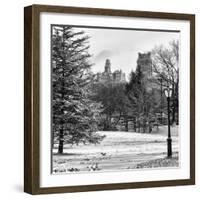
pixel 75 115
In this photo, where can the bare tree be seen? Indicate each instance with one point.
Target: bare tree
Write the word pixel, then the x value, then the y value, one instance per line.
pixel 165 63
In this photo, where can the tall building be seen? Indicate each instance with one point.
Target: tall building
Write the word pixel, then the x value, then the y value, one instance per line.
pixel 145 63
pixel 107 76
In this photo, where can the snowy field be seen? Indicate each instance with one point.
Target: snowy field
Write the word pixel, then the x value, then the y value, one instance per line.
pixel 119 151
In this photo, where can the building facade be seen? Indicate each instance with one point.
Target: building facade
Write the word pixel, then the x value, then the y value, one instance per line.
pixel 144 61
pixel 108 76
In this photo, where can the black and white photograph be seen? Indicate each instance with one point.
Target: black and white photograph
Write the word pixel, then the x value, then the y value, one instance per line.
pixel 114 99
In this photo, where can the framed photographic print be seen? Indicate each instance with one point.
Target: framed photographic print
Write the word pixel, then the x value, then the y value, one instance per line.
pixel 109 99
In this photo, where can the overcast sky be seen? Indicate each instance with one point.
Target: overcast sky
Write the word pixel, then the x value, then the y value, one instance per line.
pixel 122 46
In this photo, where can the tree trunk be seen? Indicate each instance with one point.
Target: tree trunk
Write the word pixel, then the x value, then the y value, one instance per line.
pixel 150 127
pixel 144 125
pixel 126 124
pixel 134 125
pixel 138 126
pixel 61 141
pixel 61 137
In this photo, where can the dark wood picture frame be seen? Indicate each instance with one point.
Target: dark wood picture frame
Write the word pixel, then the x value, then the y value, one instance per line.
pixel 32 104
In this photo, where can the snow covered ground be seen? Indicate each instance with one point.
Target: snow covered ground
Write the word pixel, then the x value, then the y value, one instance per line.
pixel 118 150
